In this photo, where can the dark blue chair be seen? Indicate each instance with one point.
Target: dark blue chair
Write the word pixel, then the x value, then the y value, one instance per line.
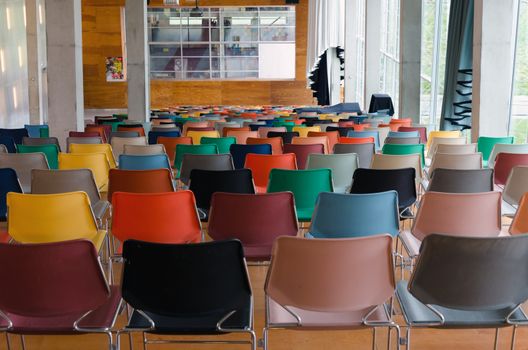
pixel 239 152
pixel 153 135
pixel 15 134
pixel 8 183
pixel 144 162
pixel 9 143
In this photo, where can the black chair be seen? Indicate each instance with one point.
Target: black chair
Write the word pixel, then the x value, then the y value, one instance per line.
pixel 343 130
pixel 9 142
pixel 461 181
pixel 8 183
pixel 381 180
pixel 287 136
pixel 203 183
pixel 187 289
pixel 16 134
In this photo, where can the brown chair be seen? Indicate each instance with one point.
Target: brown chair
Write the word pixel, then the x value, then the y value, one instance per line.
pixel 37 141
pixel 302 152
pixel 275 142
pixel 100 130
pixel 23 164
pixel 314 140
pixel 139 181
pixel 330 284
pixel 170 144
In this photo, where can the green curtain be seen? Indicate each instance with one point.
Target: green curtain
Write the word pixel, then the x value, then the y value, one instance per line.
pixel 456 106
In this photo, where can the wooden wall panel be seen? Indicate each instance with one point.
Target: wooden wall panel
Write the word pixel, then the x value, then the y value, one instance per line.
pixel 102 38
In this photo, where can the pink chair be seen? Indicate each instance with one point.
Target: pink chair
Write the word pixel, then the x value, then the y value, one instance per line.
pixel 242 135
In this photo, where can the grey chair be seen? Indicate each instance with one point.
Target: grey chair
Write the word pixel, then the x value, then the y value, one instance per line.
pixel 487 290
pixel 364 151
pixel 402 140
pixel 142 150
pixel 82 140
pixel 3 149
pixel 23 164
pixel 37 141
pixel 204 162
pixel 461 181
pixel 122 134
pixel 60 181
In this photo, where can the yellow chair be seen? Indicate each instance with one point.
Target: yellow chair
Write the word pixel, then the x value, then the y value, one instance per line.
pixel 197 135
pixel 95 148
pixel 96 162
pixel 441 134
pixel 303 131
pixel 45 218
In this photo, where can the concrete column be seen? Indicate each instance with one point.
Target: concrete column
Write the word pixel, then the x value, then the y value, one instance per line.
pixel 493 56
pixel 372 49
pixel 351 16
pixel 65 69
pixel 410 55
pixel 33 60
pixel 137 60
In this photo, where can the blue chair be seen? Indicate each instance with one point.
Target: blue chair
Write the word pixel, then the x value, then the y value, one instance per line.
pixel 9 143
pixel 338 215
pixel 153 135
pixel 403 134
pixel 374 134
pixel 239 152
pixel 144 162
pixel 8 183
pixel 15 134
pixel 35 130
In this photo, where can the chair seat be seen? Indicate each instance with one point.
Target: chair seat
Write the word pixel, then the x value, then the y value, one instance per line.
pixel 104 317
pixel 191 324
pixel 417 313
pixel 341 320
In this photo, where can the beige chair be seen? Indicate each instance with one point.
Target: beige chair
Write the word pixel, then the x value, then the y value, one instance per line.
pixel 82 140
pixel 456 149
pixel 23 164
pixel 435 141
pixel 441 134
pixel 97 162
pixel 118 143
pixel 516 186
pixel 389 161
pixel 505 148
pixel 144 149
pixel 456 161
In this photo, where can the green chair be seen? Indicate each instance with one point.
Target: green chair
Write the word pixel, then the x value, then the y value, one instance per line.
pixel 223 143
pixel 191 149
pixel 114 124
pixel 485 145
pixel 44 132
pixel 288 125
pixel 305 186
pixel 51 151
pixel 399 150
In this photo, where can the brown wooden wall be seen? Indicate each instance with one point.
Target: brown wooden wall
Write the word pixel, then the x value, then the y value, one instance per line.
pixel 102 38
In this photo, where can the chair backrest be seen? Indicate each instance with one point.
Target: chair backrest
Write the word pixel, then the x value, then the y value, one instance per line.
pixel 461 181
pixel 487 272
pixel 96 162
pixel 456 161
pixel 43 218
pixel 516 185
pixel 239 152
pixel 342 130
pixel 154 135
pixel 264 130
pixel 197 135
pixel 139 181
pixel 262 164
pixel 383 132
pixel 256 220
pixel 194 124
pixel 23 163
pixel 123 134
pixel 95 148
pixel 389 161
pixel 441 134
pixel 504 163
pixel 8 183
pixel 404 150
pixel 304 130
pixel 3 148
pixel 403 134
pixel 144 150
pixel 364 151
pixel 275 142
pixel 382 180
pixel 506 148
pixel 519 224
pixel 61 181
pixel 402 140
pixel 436 141
pixel 15 134
pixel 303 151
pixel 54 280
pixel 50 150
pixel 422 131
pixel 336 280
pixel 8 143
pixel 170 144
pixel 223 143
pixel 149 217
pixel 82 140
pixel 287 136
pixel 374 134
pixel 204 183
pixel 242 135
pixel 445 148
pixel 356 140
pixel 99 129
pixel 182 149
pixel 314 140
pixel 485 144
pixel 204 162
pixel 143 162
pixel 37 141
pixel 342 166
pixel 132 127
pixel 119 143
pixel 458 214
pixel 239 127
pixel 338 215
pixel 332 136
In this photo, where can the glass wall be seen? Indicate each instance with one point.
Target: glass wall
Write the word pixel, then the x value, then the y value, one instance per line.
pixel 14 109
pixel 390 49
pixel 360 52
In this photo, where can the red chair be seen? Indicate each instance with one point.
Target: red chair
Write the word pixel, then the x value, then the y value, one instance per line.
pixel 356 140
pixel 139 181
pixel 504 163
pixel 103 131
pixel 132 127
pixel 256 220
pixel 422 130
pixel 302 152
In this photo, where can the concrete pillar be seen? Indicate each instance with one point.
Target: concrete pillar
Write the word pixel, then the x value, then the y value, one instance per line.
pixel 137 60
pixel 493 56
pixel 351 16
pixel 65 68
pixel 372 49
pixel 410 55
pixel 33 60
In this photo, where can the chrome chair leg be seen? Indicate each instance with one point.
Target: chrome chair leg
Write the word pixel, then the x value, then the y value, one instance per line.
pixel 513 337
pixel 373 338
pixel 265 338
pixel 408 339
pixel 144 341
pixel 496 339
pixel 253 340
pixel 8 342
pixel 23 342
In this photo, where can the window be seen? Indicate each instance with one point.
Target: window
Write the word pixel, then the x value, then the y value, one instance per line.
pixel 222 43
pixel 360 51
pixel 390 49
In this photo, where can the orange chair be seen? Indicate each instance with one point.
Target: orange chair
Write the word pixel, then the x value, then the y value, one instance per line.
pixel 261 165
pixel 171 142
pixel 241 135
pixel 275 142
pixel 356 140
pixel 99 129
pixel 225 130
pixel 519 224
pixel 395 124
pixel 138 129
pixel 149 217
pixel 314 140
pixel 333 137
pixel 345 124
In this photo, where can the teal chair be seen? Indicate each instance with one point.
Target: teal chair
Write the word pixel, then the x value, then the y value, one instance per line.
pixel 395 149
pixel 305 186
pixel 403 134
pixel 223 143
pixel 51 151
pixel 485 145
pixel 191 149
pixel 338 215
pixel 288 125
pixel 144 162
